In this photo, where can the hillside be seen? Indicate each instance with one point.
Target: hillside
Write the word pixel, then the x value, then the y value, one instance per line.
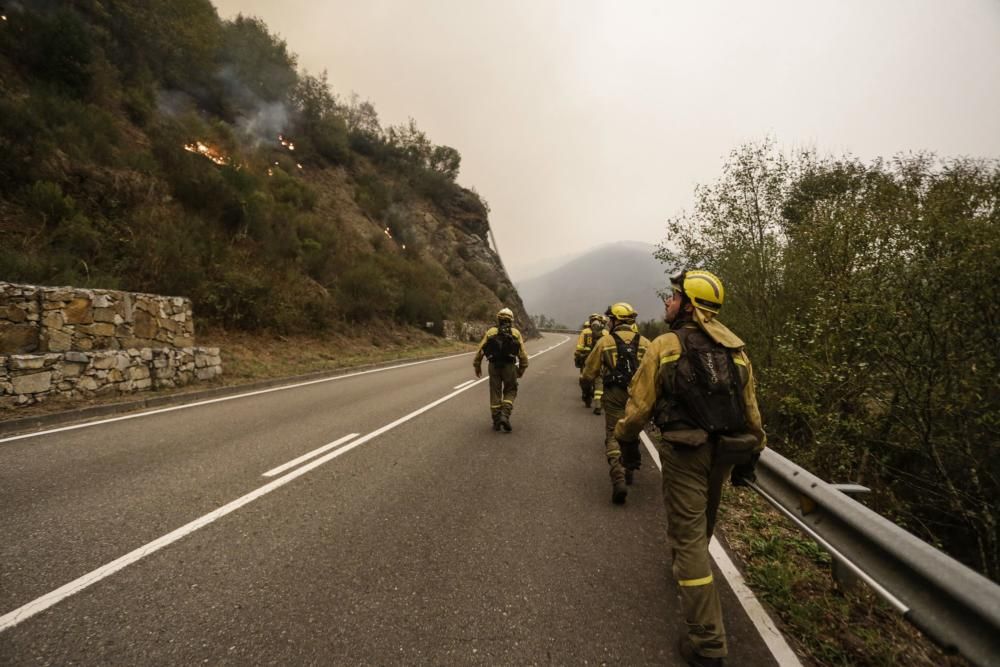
pixel 623 271
pixel 153 147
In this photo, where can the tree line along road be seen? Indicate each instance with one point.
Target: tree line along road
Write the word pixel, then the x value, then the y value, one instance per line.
pixel 417 536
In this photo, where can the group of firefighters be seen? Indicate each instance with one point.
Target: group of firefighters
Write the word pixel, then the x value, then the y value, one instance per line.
pixel 696 384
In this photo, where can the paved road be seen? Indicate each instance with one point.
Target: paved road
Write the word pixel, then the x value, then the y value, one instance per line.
pixel 435 541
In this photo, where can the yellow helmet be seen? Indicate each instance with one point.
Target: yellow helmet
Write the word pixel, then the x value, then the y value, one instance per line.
pixel 703 289
pixel 505 314
pixel 622 312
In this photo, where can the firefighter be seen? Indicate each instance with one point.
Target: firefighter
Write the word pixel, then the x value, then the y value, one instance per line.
pixel 503 346
pixel 706 435
pixel 598 325
pixel 615 358
pixel 584 344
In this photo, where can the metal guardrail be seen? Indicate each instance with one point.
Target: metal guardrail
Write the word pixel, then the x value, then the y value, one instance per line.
pixel 956 607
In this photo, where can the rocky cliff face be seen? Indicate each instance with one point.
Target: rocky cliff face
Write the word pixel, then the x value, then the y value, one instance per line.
pixel 451 233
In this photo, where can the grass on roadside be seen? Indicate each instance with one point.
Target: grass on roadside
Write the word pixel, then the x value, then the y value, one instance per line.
pixel 825 625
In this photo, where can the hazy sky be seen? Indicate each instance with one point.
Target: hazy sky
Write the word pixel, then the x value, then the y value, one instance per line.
pixel 584 122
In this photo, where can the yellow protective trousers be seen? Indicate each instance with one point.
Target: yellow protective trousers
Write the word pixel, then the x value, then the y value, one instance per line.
pixel 503 389
pixel 620 455
pixel 692 488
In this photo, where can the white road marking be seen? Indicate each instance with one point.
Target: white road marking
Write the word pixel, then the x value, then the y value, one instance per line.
pixel 12 618
pixel 550 347
pixel 772 637
pixel 459 386
pixel 227 398
pixel 305 457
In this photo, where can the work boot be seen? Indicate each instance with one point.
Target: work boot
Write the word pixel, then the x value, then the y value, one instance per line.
pixel 586 402
pixel 505 423
pixel 629 476
pixel 597 411
pixel 619 493
pixel 496 424
pixel 694 659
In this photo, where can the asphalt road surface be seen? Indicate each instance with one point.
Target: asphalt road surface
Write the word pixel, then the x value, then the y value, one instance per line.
pixel 426 538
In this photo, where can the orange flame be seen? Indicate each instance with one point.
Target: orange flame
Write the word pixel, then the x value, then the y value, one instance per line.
pixel 286 142
pixel 212 153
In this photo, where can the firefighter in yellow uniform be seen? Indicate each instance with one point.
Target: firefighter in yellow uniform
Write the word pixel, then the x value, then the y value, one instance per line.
pixel 598 326
pixel 503 346
pixel 623 458
pixel 700 444
pixel 584 344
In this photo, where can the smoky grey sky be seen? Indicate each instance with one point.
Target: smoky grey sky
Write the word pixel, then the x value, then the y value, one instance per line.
pixel 584 122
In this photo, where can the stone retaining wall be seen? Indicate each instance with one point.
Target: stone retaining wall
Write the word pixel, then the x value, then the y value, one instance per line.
pixel 471 332
pixel 80 343
pixel 31 378
pixel 62 319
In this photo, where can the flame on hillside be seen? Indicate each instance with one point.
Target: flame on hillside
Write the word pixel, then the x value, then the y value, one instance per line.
pixel 211 152
pixel 286 142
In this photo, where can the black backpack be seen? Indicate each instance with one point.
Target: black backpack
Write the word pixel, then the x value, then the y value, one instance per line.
pixel 707 384
pixel 627 363
pixel 502 347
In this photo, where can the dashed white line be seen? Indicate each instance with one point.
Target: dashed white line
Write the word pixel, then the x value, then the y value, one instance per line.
pixel 305 457
pixel 772 637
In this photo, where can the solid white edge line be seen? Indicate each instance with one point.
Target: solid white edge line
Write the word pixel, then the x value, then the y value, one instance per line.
pixel 228 398
pixel 12 618
pixel 459 386
pixel 305 457
pixel 772 637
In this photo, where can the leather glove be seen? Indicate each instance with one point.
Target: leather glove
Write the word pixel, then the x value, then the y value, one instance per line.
pixel 744 473
pixel 479 371
pixel 520 372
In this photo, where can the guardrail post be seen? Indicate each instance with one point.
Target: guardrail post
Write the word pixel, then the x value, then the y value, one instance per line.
pixel 845 577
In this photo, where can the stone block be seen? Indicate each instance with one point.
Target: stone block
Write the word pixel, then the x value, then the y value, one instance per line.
pixel 58 340
pixel 18 338
pixel 108 389
pixel 105 315
pixel 53 319
pixel 137 373
pixel 77 357
pixel 20 362
pixel 105 361
pixel 183 341
pixel 206 373
pixel 71 370
pixel 83 343
pixel 142 385
pixel 101 300
pixel 144 324
pixel 146 354
pixel 32 383
pixel 97 329
pixel 87 383
pixel 14 313
pixel 79 311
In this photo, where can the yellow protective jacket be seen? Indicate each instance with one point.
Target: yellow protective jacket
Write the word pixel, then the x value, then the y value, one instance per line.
pixel 584 342
pixel 522 355
pixel 645 389
pixel 604 356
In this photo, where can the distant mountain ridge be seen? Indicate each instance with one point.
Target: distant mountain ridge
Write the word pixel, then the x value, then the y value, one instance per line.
pixel 622 271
